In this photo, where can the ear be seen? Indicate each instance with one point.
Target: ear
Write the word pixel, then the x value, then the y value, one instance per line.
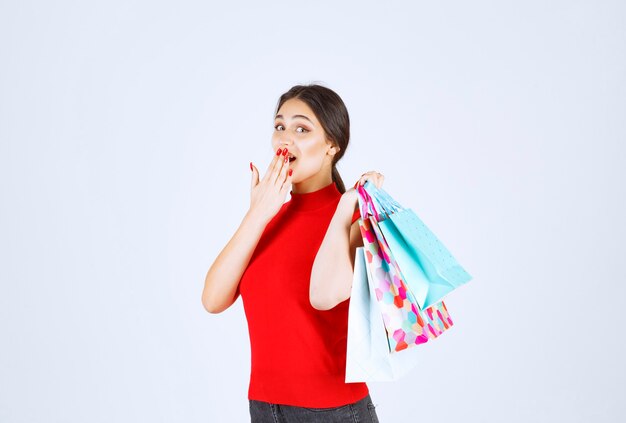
pixel 332 150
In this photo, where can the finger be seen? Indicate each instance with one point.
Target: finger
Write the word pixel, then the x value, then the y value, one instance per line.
pixel 282 176
pixel 282 161
pixel 374 177
pixel 367 176
pixel 255 176
pixel 272 165
pixel 277 164
pixel 287 184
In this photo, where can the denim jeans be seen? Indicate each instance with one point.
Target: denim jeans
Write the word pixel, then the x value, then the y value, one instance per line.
pixel 362 411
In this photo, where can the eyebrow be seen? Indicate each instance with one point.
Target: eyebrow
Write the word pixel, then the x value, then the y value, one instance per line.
pixel 294 116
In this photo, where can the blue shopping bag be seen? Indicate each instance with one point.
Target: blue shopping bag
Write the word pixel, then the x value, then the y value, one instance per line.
pixel 429 269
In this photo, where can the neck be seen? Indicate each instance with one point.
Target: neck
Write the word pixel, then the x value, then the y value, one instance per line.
pixel 315 200
pixel 314 183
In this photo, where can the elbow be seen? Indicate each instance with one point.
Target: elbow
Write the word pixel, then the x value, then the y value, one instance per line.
pixel 327 295
pixel 319 303
pixel 211 303
pixel 215 304
pixel 317 297
pixel 212 310
pixel 318 291
pixel 215 298
pixel 322 301
pixel 211 307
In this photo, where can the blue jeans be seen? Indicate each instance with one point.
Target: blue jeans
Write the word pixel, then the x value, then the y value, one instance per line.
pixel 362 411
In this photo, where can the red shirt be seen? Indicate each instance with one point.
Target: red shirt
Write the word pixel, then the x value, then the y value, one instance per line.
pixel 298 353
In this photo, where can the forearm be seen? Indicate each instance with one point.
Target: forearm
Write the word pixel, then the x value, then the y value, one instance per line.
pixel 222 279
pixel 331 275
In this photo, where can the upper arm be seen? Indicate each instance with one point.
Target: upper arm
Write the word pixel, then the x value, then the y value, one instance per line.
pixel 356 240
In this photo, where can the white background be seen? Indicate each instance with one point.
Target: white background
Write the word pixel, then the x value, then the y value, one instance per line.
pixel 126 130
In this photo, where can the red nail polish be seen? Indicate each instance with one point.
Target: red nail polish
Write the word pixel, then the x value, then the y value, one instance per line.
pixel 285 152
pixel 250 165
pixel 286 158
pixel 279 151
pixel 290 172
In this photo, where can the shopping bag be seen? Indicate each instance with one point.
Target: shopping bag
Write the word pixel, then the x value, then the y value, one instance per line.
pixel 368 358
pixel 405 323
pixel 429 269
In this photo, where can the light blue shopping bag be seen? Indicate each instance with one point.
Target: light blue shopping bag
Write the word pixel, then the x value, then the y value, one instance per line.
pixel 429 269
pixel 368 357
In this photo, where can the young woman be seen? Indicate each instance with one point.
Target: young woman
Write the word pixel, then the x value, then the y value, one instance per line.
pixel 292 263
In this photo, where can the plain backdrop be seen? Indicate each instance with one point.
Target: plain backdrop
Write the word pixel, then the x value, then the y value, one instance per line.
pixel 126 130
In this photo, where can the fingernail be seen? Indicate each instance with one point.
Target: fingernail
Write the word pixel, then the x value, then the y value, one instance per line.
pixel 286 158
pixel 250 165
pixel 285 152
pixel 279 151
pixel 290 172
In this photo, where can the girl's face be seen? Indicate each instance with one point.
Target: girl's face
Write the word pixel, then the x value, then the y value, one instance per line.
pixel 297 129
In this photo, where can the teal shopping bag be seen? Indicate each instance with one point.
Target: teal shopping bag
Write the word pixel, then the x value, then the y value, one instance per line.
pixel 429 269
pixel 406 325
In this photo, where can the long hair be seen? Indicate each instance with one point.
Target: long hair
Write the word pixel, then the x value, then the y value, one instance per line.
pixel 332 114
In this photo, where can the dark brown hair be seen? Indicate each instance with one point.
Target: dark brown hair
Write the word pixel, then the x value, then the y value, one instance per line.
pixel 332 114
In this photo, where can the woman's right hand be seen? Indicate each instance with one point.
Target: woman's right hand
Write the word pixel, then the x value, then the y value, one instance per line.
pixel 268 194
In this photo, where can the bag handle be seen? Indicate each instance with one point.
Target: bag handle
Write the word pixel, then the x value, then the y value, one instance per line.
pixel 366 205
pixel 386 203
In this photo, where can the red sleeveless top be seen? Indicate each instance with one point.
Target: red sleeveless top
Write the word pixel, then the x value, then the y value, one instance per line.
pixel 298 353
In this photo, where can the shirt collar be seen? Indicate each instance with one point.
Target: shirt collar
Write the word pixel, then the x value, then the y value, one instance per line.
pixel 316 199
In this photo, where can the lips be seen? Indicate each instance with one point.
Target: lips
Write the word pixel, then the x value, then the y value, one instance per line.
pixel 291 158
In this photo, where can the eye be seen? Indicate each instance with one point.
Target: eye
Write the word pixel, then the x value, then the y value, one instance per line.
pixel 299 129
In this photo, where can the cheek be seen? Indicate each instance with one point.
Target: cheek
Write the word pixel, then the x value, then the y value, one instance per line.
pixel 315 150
pixel 275 143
